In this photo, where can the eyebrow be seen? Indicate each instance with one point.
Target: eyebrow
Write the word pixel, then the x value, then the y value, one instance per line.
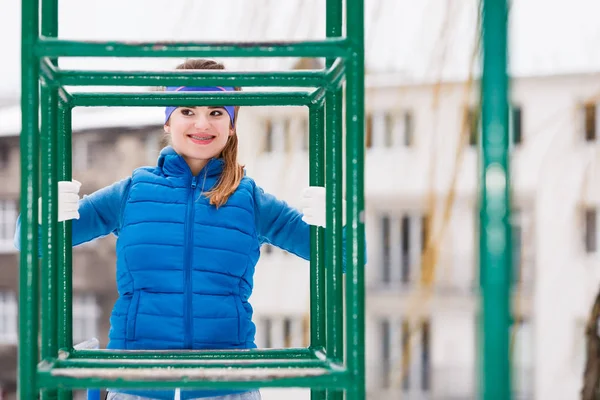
pixel 209 107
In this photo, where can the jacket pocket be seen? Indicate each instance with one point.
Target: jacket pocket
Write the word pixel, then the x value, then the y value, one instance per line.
pixel 132 315
pixel 242 320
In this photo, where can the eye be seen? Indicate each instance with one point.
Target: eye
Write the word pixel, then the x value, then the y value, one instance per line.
pixel 187 112
pixel 216 112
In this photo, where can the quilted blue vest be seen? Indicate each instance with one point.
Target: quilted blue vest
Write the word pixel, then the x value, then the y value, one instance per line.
pixel 184 269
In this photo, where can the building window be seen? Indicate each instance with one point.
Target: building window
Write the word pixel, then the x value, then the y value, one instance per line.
pixel 86 313
pixel 386 353
pixel 276 135
pixel 409 129
pixel 4 155
pixel 398 129
pixel 405 354
pixel 403 241
pixel 305 134
pixel 516 125
pixel 369 131
pixel 517 245
pixel 90 151
pixel 405 259
pixel 389 129
pixel 590 121
pixel 8 317
pixel 386 243
pixel 8 219
pixel 283 331
pixel 591 230
pixel 425 351
pixel 473 122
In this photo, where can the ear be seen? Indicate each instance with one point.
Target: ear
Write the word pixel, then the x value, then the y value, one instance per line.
pixel 231 131
pixel 167 128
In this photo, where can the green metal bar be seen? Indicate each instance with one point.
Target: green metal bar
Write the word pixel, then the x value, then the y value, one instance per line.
pixel 65 254
pixel 226 379
pixel 161 99
pixel 311 78
pixel 316 157
pixel 49 27
pixel 495 240
pixel 49 340
pixel 52 47
pixel 355 228
pixel 191 363
pixel 317 267
pixel 29 143
pixel 255 354
pixel 334 177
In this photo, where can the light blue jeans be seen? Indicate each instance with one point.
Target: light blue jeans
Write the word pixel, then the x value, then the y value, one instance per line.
pixel 254 395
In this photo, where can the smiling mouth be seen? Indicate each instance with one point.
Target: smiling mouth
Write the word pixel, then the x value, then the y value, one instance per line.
pixel 201 138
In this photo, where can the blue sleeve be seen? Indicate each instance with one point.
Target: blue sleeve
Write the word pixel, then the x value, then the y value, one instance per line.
pixel 99 214
pixel 281 225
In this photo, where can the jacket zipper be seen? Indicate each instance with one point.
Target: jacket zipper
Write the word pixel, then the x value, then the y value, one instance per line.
pixel 189 249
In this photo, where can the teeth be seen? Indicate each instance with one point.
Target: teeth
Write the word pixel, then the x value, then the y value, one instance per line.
pixel 201 138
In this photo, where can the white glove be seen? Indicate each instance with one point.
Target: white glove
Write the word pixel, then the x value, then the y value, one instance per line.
pixel 68 201
pixel 314 207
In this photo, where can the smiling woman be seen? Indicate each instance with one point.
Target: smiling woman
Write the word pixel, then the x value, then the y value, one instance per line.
pixel 189 232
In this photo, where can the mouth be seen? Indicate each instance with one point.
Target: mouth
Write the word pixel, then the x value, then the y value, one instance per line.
pixel 202 139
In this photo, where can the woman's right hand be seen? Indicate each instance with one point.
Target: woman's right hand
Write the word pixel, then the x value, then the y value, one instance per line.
pixel 68 201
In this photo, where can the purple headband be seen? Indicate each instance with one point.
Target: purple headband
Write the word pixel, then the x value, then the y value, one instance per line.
pixel 230 109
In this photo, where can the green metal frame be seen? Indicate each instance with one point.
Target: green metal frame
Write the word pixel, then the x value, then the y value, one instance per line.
pixel 333 363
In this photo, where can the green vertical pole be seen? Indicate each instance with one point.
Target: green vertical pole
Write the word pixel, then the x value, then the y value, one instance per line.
pixel 317 268
pixel 65 254
pixel 495 240
pixel 355 229
pixel 64 273
pixel 49 28
pixel 333 179
pixel 48 135
pixel 28 274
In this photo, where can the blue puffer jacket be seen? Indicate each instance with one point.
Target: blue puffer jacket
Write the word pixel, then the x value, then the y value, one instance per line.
pixel 185 268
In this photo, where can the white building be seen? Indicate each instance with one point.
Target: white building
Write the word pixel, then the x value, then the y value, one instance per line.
pixel 418 100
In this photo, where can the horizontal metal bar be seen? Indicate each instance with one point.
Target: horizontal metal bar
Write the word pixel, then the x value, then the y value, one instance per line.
pixel 190 363
pixel 207 378
pixel 190 99
pixel 312 78
pixel 254 354
pixel 332 47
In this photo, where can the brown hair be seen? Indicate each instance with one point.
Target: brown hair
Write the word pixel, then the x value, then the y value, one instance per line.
pixel 591 374
pixel 233 172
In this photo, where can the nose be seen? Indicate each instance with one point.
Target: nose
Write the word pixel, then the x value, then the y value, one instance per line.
pixel 201 122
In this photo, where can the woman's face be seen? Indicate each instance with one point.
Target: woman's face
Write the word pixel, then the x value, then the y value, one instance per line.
pixel 199 134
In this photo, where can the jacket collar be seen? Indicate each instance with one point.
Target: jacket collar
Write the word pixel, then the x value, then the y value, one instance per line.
pixel 173 164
